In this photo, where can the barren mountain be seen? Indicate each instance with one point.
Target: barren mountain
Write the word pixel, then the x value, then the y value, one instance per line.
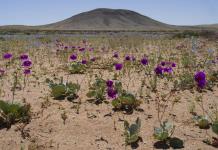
pixel 108 19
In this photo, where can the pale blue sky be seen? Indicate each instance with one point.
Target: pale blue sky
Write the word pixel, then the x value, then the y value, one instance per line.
pixel 178 12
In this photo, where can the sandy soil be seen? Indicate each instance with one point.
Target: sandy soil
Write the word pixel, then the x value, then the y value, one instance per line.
pixel 90 126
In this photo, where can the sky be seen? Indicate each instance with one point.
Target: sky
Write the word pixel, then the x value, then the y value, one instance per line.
pixel 176 12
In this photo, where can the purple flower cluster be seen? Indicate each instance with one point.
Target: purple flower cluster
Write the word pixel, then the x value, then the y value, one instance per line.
pixel 130 58
pixel 111 91
pixel 26 63
pixel 169 64
pixel 164 67
pixel 200 78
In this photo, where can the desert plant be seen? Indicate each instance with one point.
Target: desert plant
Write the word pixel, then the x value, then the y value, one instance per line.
pixel 164 132
pixel 202 122
pixel 11 113
pixel 126 101
pixel 214 141
pixel 77 68
pixel 132 131
pixel 97 90
pixel 62 90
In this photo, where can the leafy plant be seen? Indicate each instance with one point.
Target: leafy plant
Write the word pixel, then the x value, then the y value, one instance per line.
pixel 202 122
pixel 214 141
pixel 62 90
pixel 97 90
pixel 77 68
pixel 164 131
pixel 132 132
pixel 11 113
pixel 215 127
pixel 126 101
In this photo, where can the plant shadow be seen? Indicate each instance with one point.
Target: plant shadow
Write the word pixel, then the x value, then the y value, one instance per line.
pixel 161 145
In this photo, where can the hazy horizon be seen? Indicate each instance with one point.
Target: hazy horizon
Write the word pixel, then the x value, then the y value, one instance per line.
pixel 186 12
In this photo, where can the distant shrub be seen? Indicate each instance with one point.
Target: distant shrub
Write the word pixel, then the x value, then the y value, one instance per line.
pixel 207 34
pixel 202 33
pixel 2 39
pixel 186 34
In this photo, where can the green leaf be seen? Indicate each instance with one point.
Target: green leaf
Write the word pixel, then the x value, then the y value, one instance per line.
pixel 58 90
pixel 215 127
pixel 91 94
pixel 132 132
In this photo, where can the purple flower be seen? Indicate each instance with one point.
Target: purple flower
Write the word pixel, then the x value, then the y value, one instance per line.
pixel 127 58
pixel 168 70
pixel 202 84
pixel 118 66
pixel 73 57
pixel 115 55
pixel 82 49
pixel 7 56
pixel 27 71
pixel 27 63
pixel 144 61
pixel 111 93
pixel 91 49
pixel 24 56
pixel 93 59
pixel 200 78
pixel 163 63
pixel 158 70
pixel 133 58
pixel 173 64
pixel 84 61
pixel 109 83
